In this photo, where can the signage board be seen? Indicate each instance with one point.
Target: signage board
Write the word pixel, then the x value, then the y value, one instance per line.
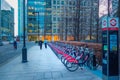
pixel 104 22
pixel 113 22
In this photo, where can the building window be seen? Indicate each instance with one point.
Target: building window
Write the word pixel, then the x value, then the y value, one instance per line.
pixel 58 7
pixel 54 30
pixel 30 24
pixel 30 13
pixel 73 2
pixel 70 3
pixel 54 18
pixel 58 2
pixel 58 19
pixel 54 2
pixel 62 2
pixel 54 7
pixel 58 30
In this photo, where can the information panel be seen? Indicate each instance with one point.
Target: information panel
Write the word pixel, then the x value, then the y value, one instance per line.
pixel 104 50
pixel 113 53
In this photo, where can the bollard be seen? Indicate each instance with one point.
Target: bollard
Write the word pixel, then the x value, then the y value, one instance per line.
pixel 94 62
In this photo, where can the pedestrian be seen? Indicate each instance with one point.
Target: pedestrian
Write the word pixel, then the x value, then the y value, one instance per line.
pixel 40 44
pixel 45 43
pixel 15 44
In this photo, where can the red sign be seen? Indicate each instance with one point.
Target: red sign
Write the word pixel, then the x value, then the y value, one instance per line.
pixel 113 22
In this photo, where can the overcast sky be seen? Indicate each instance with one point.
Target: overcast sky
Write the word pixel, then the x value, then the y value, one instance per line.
pixel 14 4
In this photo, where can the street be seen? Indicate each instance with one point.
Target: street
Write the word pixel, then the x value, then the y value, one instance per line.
pixel 7 52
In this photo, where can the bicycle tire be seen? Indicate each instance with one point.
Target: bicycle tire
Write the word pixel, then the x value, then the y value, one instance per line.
pixel 62 59
pixel 90 63
pixel 72 66
pixel 97 63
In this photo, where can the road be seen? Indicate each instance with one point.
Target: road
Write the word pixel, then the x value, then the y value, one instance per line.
pixel 7 52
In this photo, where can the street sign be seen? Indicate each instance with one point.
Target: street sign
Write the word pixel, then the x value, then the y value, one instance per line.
pixel 104 22
pixel 113 22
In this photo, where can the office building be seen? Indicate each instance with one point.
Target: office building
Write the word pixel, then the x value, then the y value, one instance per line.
pixel 63 19
pixel 89 19
pixel 7 21
pixel 47 20
pixel 35 19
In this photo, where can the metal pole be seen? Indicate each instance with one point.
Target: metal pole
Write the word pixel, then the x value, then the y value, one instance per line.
pixel 108 42
pixel 24 49
pixel 118 14
pixel 97 23
pixel 0 23
pixel 8 26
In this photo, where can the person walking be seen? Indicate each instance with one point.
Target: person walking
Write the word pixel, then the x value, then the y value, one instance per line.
pixel 15 44
pixel 40 44
pixel 45 43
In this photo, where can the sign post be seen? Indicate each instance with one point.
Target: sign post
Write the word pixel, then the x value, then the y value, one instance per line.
pixel 110 47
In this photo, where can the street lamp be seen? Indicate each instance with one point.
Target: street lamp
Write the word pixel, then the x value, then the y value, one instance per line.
pixel 0 24
pixel 24 49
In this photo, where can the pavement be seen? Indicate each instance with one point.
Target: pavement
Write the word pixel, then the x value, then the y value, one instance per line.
pixel 42 65
pixel 5 42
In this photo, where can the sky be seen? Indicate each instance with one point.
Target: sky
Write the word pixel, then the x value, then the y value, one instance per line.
pixel 14 4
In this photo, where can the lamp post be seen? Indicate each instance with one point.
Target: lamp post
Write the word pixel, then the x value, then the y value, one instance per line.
pixel 24 49
pixel 0 23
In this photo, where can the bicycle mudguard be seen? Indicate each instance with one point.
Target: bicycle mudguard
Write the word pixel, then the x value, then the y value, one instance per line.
pixel 73 60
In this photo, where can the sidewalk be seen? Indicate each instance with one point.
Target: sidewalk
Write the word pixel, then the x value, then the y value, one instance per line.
pixel 42 65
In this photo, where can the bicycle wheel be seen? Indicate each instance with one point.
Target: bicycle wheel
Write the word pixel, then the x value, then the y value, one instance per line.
pixel 97 63
pixel 65 61
pixel 71 66
pixel 90 63
pixel 62 59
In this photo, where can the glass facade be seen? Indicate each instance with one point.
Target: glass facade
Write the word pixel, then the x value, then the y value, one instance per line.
pixel 7 21
pixel 48 20
pixel 35 18
pixel 63 15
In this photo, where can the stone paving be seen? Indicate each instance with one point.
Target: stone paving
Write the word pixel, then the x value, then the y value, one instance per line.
pixel 42 65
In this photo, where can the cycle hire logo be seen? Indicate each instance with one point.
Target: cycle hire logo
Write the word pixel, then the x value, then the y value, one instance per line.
pixel 113 22
pixel 104 22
